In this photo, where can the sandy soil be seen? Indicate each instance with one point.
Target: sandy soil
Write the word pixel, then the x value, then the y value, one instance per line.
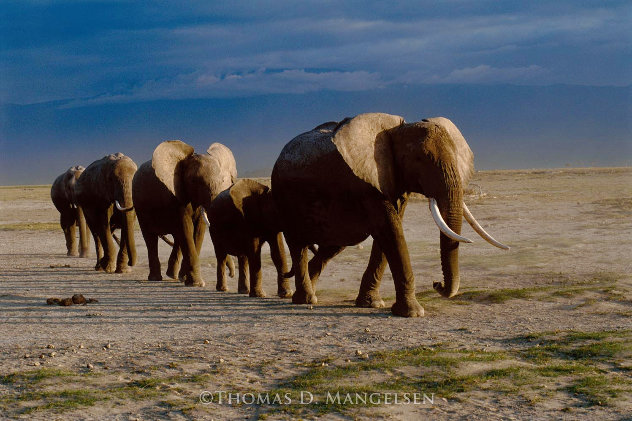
pixel 149 350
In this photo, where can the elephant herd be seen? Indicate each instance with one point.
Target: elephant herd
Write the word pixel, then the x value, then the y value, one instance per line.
pixel 332 187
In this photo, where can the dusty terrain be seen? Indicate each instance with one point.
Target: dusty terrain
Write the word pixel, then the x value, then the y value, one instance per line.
pixel 541 331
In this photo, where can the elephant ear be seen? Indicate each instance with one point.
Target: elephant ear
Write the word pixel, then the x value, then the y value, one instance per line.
pixel 225 166
pixel 367 149
pixel 464 155
pixel 166 158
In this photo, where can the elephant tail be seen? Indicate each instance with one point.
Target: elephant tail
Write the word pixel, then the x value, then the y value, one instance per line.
pixel 166 240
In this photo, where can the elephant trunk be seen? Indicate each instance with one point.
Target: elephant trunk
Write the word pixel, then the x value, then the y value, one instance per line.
pixel 452 212
pixel 129 217
pixel 128 232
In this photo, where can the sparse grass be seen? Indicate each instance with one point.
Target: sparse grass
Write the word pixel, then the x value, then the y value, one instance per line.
pixel 12 193
pixel 582 365
pixel 42 390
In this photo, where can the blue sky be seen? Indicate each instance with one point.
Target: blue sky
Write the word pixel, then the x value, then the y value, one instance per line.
pixel 80 79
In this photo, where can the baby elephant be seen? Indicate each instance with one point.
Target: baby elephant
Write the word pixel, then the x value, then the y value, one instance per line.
pixel 242 218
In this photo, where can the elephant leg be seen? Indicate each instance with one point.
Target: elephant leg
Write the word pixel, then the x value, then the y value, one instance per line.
pixel 151 240
pixel 254 258
pixel 83 234
pixel 231 266
pixel 67 221
pixel 277 253
pixel 175 258
pixel 304 292
pixel 369 294
pixel 108 263
pixel 320 260
pixel 389 234
pixel 93 225
pixel 199 230
pixel 221 270
pixel 122 258
pixel 242 280
pixel 186 241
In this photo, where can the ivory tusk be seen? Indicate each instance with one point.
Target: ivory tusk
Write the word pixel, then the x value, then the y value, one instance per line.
pixel 122 209
pixel 205 216
pixel 436 215
pixel 477 227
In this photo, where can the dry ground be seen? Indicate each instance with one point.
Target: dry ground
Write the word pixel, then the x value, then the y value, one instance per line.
pixel 542 331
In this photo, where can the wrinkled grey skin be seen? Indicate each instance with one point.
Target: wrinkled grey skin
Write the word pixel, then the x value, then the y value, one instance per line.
pixel 169 193
pixel 243 218
pixel 103 182
pixel 339 183
pixel 71 216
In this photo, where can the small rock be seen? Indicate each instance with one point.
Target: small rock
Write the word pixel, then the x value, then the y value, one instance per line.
pixel 42 356
pixel 358 352
pixel 50 346
pixel 80 346
pixel 92 300
pixel 365 356
pixel 360 246
pixel 27 356
pixel 206 341
pixel 79 299
pixel 52 354
pixel 108 346
pixel 366 329
pixel 328 334
pixel 221 360
pixel 324 364
pixel 36 363
pixel 53 301
pixel 311 307
pixel 89 366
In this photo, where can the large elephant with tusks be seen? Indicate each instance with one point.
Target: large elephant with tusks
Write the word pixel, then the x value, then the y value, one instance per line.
pixel 342 182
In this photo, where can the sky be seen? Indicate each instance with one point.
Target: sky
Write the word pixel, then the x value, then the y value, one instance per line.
pixel 529 83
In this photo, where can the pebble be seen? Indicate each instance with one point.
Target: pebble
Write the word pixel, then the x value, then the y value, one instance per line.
pixel 80 346
pixel 206 341
pixel 358 352
pixel 221 360
pixel 89 366
pixel 366 329
pixel 36 363
pixel 52 354
pixel 328 334
pixel 50 346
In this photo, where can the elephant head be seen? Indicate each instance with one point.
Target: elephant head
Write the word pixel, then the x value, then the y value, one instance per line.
pixel 430 157
pixel 64 199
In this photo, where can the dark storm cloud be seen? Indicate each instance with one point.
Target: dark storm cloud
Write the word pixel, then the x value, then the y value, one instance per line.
pixel 95 52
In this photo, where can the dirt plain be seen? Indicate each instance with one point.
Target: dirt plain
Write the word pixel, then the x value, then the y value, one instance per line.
pixel 542 331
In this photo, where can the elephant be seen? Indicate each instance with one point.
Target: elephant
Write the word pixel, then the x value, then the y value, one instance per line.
pixel 104 191
pixel 339 183
pixel 244 217
pixel 62 194
pixel 171 192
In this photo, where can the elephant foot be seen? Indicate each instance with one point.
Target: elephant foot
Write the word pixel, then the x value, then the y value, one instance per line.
pixel 154 278
pixel 441 289
pixel 407 308
pixel 83 254
pixel 284 293
pixel 98 267
pixel 258 293
pixel 301 297
pixel 243 289
pixel 369 300
pixel 72 253
pixel 221 287
pixel 108 267
pixel 193 281
pixel 123 269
